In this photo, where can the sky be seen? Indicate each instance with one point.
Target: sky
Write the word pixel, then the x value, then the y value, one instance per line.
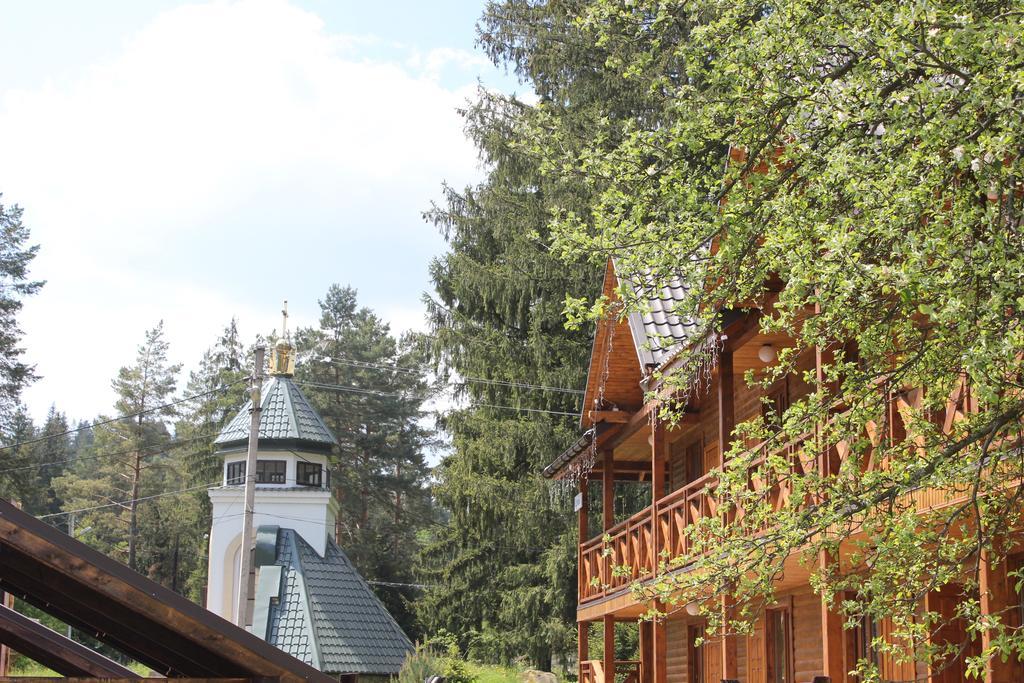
pixel 196 161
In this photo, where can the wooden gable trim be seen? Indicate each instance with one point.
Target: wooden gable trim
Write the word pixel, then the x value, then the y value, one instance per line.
pixel 613 349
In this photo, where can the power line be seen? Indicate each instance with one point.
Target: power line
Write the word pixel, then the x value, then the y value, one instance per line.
pixel 122 503
pixel 158 448
pixel 384 394
pixel 478 380
pixel 101 423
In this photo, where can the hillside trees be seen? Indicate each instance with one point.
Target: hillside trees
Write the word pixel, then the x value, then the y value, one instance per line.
pixel 862 162
pixel 370 389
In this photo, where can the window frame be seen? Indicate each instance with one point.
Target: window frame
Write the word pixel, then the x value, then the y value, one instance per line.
pixel 237 477
pixel 278 476
pixel 302 478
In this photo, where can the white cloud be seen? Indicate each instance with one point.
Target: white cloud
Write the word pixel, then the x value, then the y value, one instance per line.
pixel 225 137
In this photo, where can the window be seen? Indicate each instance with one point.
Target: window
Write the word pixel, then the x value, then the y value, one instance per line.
pixel 236 472
pixel 309 474
pixel 863 636
pixel 779 641
pixel 270 471
pixel 687 463
pixel 695 654
pixel 777 404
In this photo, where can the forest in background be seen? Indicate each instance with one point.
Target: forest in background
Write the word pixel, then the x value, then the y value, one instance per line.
pixel 482 548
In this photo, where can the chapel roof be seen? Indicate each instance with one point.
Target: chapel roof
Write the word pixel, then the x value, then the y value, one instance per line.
pixel 321 611
pixel 286 416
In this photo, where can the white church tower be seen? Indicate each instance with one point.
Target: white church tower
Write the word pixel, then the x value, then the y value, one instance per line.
pixel 292 478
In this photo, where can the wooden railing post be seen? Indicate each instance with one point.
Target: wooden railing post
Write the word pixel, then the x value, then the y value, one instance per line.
pixel 657 488
pixel 609 649
pixel 608 508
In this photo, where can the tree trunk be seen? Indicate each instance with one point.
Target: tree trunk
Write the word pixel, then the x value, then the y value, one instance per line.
pixel 133 526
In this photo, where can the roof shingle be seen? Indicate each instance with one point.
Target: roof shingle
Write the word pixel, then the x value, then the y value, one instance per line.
pixel 285 415
pixel 328 616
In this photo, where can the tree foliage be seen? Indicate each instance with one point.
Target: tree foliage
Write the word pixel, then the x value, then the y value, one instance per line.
pixel 855 170
pixel 370 388
pixel 15 258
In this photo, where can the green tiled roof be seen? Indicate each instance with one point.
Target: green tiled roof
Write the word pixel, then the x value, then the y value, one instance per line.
pixel 325 613
pixel 286 415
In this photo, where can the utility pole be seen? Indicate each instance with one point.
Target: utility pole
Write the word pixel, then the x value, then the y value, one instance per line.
pixel 248 540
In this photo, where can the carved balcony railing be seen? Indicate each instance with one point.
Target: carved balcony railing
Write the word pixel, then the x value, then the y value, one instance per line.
pixel 633 549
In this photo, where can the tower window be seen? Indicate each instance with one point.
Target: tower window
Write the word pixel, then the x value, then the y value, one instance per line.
pixel 309 474
pixel 236 472
pixel 270 471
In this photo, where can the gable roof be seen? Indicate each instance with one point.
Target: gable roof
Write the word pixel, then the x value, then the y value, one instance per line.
pixel 120 607
pixel 320 610
pixel 658 330
pixel 285 416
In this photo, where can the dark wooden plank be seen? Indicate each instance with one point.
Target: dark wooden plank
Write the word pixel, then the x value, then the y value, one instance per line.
pixel 53 650
pixel 97 594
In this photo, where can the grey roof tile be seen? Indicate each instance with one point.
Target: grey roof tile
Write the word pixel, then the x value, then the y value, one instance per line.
pixel 659 328
pixel 329 615
pixel 285 414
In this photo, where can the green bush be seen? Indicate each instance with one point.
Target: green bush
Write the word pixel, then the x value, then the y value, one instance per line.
pixel 420 665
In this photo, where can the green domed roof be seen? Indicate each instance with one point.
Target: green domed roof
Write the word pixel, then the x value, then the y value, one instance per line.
pixel 286 418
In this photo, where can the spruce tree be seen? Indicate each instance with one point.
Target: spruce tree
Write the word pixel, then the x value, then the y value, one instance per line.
pixel 15 285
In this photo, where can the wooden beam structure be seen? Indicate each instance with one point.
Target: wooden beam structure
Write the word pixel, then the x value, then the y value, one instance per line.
pixel 53 650
pixel 151 624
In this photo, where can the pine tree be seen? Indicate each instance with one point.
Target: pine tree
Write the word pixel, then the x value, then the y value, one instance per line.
pixel 219 384
pixel 374 405
pixel 128 458
pixel 15 258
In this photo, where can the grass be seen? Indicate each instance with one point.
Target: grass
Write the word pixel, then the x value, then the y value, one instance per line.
pixel 25 667
pixel 487 673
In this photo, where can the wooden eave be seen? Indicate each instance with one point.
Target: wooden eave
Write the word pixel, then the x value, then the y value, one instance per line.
pixel 613 349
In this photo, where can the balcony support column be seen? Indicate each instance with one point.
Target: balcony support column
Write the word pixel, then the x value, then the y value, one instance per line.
pixel 833 646
pixel 582 646
pixel 608 490
pixel 995 589
pixel 646 652
pixel 730 665
pixel 609 649
pixel 584 536
pixel 726 411
pixel 659 632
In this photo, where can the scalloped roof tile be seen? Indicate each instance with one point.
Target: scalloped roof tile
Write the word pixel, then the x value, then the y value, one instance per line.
pixel 328 616
pixel 286 415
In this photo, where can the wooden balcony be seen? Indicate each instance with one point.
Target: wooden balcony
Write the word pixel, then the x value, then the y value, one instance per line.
pixel 631 550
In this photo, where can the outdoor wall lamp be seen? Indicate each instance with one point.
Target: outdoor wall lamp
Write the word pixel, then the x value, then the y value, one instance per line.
pixel 767 353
